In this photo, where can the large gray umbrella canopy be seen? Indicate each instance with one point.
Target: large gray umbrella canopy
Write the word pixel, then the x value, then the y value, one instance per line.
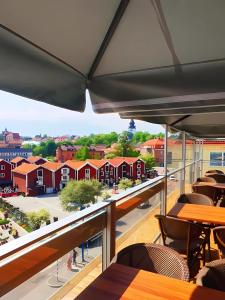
pixel 159 61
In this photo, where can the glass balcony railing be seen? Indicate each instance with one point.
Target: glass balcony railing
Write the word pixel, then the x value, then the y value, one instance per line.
pixel 70 253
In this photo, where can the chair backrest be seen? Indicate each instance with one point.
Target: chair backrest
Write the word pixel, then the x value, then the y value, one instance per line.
pixel 173 228
pixel 154 258
pixel 207 190
pixel 219 237
pixel 206 179
pixel 215 171
pixel 212 275
pixel 195 198
pixel 220 178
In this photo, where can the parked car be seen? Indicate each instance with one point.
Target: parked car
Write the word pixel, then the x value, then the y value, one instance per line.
pixel 173 178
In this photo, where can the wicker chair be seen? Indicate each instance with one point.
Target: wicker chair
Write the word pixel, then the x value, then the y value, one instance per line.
pixel 154 258
pixel 187 238
pixel 219 238
pixel 195 198
pixel 212 275
pixel 206 179
pixel 199 199
pixel 207 190
pixel 214 171
pixel 219 178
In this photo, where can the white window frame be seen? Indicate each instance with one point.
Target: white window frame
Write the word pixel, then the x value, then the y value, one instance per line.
pixel 102 173
pixel 2 175
pixel 124 170
pixel 65 171
pixel 2 167
pixel 65 178
pixel 41 173
pixel 40 180
pixel 87 173
pixel 107 168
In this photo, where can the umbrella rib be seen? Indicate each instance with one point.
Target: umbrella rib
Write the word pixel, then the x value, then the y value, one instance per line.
pixel 112 28
pixel 179 120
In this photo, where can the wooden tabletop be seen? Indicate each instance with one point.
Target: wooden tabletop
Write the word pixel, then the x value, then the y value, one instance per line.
pixel 199 213
pixel 121 282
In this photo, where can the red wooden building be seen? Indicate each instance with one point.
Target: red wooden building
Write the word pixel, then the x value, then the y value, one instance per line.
pixel 137 167
pixel 106 171
pixel 64 153
pixel 83 170
pixel 5 173
pixel 32 179
pixel 17 161
pixel 37 160
pixel 61 174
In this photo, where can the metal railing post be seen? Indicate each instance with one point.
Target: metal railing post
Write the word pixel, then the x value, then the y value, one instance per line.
pixel 182 182
pixel 163 196
pixel 201 170
pixel 109 236
pixel 193 167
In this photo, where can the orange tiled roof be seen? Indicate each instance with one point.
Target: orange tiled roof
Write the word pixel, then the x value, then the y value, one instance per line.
pixel 52 166
pixel 33 159
pixel 97 162
pixel 75 164
pixel 18 159
pixel 154 143
pixel 25 168
pixel 130 160
pixel 116 161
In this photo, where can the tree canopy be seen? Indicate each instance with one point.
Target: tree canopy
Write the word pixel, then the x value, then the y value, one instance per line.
pixel 149 161
pixel 124 147
pixel 78 193
pixel 82 153
pixel 36 218
pixel 125 184
pixel 143 136
pixel 94 139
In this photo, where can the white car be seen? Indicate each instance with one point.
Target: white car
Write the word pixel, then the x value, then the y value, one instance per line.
pixel 173 177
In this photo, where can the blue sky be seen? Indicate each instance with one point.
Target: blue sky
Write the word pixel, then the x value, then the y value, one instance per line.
pixel 29 117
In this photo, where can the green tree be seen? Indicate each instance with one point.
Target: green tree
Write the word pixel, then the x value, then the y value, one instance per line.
pixel 123 143
pixel 106 195
pixel 149 161
pixel 94 139
pixel 36 218
pixel 110 155
pixel 137 181
pixel 82 153
pixel 78 193
pixel 125 184
pixel 125 147
pixel 43 215
pixel 50 148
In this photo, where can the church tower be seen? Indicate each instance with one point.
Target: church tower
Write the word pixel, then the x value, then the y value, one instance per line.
pixel 131 129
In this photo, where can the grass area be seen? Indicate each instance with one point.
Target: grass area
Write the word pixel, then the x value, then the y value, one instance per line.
pixel 3 222
pixel 27 228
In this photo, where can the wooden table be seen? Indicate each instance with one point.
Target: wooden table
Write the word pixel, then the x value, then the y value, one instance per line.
pixel 121 282
pixel 199 213
pixel 217 185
